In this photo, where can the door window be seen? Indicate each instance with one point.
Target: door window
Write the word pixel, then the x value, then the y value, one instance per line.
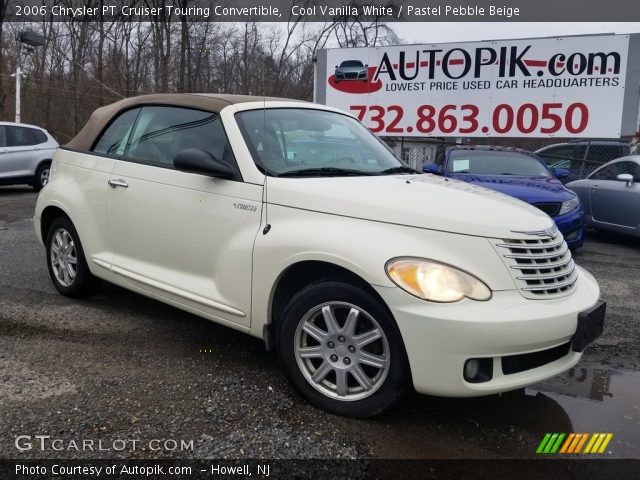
pixel 39 136
pixel 19 137
pixel 613 170
pixel 3 136
pixel 113 140
pixel 160 133
pixel 561 156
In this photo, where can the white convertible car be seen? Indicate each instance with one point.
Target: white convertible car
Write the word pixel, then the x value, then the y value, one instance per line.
pixel 290 221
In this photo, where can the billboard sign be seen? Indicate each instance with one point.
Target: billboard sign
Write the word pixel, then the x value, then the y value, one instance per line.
pixel 544 87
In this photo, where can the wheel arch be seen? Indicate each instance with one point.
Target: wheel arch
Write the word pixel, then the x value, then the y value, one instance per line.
pixel 300 274
pixel 44 161
pixel 48 216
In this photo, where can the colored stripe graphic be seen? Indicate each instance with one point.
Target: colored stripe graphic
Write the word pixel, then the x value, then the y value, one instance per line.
pixel 573 443
pixel 576 440
pixel 582 441
pixel 555 447
pixel 543 443
pixel 550 443
pixel 606 442
pixel 592 440
pixel 567 443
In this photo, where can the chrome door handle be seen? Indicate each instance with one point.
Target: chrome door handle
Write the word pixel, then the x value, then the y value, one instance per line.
pixel 117 182
pixel 595 187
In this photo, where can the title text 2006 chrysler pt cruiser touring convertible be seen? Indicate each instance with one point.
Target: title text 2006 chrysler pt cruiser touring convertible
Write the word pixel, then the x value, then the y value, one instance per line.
pixel 292 222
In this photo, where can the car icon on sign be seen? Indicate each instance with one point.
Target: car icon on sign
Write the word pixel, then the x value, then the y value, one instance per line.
pixel 351 70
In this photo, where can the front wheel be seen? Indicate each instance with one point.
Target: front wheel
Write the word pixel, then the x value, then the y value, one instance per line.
pixel 342 350
pixel 66 261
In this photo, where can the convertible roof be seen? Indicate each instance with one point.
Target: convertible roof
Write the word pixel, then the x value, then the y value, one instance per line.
pixel 204 101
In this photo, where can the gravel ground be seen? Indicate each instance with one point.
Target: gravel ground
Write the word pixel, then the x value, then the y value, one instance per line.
pixel 123 369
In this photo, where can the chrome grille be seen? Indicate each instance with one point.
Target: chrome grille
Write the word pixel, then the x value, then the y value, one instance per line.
pixel 541 267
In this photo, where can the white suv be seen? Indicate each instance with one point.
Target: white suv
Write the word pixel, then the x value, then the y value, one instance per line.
pixel 25 154
pixel 291 222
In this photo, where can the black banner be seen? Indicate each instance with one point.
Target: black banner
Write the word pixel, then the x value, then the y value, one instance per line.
pixel 568 469
pixel 323 11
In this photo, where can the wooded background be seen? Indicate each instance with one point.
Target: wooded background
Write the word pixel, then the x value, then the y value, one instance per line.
pixel 86 64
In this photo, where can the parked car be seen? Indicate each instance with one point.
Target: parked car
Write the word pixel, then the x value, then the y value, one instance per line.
pixel 351 70
pixel 521 175
pixel 339 267
pixel 25 154
pixel 611 196
pixel 585 155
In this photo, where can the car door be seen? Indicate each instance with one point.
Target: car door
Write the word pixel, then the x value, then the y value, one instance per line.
pixel 610 198
pixel 184 237
pixel 17 154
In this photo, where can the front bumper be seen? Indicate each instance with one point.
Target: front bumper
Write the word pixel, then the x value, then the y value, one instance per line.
pixel 440 338
pixel 571 225
pixel 362 75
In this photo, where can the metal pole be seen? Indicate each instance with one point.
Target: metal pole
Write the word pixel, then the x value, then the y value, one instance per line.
pixel 18 82
pixel 584 160
pixel 18 76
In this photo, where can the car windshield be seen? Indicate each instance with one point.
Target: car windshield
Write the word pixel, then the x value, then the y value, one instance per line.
pixel 495 163
pixel 352 63
pixel 308 142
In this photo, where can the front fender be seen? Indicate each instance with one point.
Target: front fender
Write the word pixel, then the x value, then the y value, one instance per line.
pixel 360 246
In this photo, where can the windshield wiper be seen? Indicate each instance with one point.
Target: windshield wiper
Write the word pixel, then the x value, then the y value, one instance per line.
pixel 322 171
pixel 401 169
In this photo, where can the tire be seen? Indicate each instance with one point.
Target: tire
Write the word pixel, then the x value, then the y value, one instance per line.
pixel 326 363
pixel 42 176
pixel 65 250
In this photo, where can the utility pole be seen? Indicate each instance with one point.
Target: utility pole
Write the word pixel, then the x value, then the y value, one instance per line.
pixel 18 76
pixel 30 40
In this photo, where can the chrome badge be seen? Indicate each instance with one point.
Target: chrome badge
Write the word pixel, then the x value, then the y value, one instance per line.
pixel 547 232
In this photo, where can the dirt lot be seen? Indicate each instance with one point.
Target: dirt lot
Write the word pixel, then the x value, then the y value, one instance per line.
pixel 125 370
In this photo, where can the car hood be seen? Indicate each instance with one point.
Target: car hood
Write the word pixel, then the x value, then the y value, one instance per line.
pixel 529 189
pixel 423 201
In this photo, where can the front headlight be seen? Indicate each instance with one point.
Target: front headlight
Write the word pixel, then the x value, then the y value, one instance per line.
pixel 434 281
pixel 569 205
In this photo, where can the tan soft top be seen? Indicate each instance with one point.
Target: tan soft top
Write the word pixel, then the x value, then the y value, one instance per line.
pixel 99 119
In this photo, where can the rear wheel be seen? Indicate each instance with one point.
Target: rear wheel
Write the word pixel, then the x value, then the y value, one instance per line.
pixel 66 262
pixel 342 350
pixel 42 176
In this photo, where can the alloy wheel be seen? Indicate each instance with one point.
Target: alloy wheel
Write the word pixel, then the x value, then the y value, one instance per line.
pixel 342 351
pixel 64 259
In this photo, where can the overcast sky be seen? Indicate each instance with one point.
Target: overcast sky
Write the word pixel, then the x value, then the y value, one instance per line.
pixel 442 32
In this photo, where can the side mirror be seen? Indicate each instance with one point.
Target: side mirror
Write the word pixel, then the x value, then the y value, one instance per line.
pixel 336 67
pixel 560 172
pixel 625 177
pixel 430 168
pixel 194 160
pixel 366 66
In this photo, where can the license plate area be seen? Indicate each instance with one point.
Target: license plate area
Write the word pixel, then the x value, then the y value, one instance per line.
pixel 590 326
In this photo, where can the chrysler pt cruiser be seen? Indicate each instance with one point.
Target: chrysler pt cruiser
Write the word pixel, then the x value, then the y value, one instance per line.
pixel 291 222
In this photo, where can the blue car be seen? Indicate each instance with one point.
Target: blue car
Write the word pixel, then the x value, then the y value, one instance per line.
pixel 520 174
